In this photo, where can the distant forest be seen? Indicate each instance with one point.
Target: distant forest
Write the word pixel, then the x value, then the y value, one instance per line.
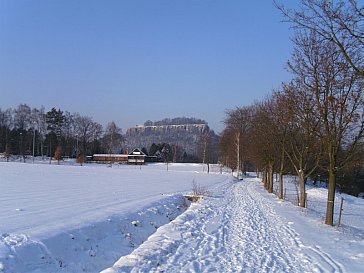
pixel 26 131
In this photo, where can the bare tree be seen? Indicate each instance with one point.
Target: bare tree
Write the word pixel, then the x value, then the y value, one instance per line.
pixel 97 131
pixel 22 117
pixel 304 148
pixel 265 140
pixel 22 124
pixel 6 122
pixel 42 128
pixel 339 22
pixel 238 122
pixel 86 131
pixel 227 151
pixel 203 143
pixel 113 138
pixel 337 100
pixel 7 153
pixel 34 120
pixel 282 115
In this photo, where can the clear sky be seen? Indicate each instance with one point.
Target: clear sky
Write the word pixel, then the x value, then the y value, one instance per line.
pixel 137 60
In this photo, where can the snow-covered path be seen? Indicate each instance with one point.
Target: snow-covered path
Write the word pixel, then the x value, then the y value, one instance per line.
pixel 237 230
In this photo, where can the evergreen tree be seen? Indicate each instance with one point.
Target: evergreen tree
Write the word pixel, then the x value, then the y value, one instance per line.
pixel 54 120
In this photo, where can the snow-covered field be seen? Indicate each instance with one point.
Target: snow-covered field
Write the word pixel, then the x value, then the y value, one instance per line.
pixel 68 218
pixel 71 218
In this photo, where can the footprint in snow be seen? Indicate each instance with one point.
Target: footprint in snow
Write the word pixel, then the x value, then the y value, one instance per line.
pixel 15 239
pixel 357 256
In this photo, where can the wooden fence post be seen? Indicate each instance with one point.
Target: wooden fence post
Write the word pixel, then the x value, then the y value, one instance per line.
pixel 306 200
pixel 285 191
pixel 340 212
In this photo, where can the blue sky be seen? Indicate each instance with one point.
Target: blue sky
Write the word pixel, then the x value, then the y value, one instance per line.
pixel 132 61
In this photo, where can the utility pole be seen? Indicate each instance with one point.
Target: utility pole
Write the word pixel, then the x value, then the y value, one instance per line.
pixel 33 139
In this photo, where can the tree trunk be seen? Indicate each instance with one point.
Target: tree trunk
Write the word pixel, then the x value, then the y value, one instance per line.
pixel 237 139
pixel 302 189
pixel 264 177
pixel 280 195
pixel 331 198
pixel 270 178
pixel 281 170
pixel 50 149
pixel 41 150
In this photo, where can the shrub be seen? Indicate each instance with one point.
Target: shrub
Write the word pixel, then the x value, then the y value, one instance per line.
pixel 58 154
pixel 81 159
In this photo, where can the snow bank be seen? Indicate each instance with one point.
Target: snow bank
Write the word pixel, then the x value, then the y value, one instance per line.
pixel 91 248
pixel 162 243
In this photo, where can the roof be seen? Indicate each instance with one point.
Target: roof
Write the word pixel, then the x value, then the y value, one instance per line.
pixel 112 155
pixel 137 151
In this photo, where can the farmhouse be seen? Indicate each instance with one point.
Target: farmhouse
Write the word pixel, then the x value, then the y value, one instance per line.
pixel 102 158
pixel 135 157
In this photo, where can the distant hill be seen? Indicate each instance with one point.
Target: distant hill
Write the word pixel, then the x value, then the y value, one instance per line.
pixel 181 131
pixel 175 121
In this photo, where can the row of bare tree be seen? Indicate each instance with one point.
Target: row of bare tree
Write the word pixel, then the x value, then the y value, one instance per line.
pixel 315 123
